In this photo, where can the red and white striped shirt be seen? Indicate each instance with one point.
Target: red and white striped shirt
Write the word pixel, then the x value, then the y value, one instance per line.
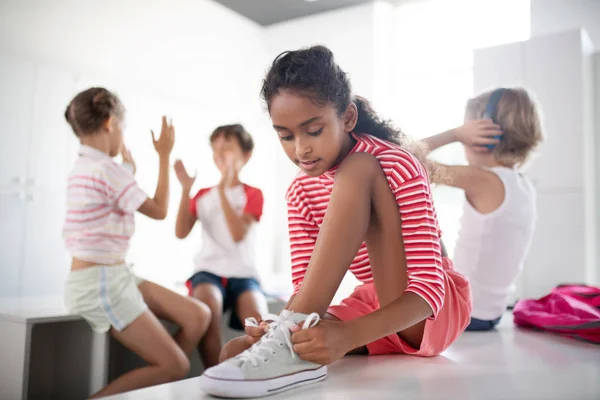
pixel 308 198
pixel 102 197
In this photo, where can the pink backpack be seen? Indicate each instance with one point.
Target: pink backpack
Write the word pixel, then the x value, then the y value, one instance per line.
pixel 569 310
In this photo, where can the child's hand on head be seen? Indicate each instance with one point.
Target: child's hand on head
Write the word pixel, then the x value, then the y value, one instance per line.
pixel 254 333
pixel 478 133
pixel 184 178
pixel 128 158
pixel 165 142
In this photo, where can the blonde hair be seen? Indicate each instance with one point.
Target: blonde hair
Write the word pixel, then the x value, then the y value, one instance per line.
pixel 518 116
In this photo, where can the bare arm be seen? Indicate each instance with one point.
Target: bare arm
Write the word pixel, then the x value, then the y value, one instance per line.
pixel 440 140
pixel 238 225
pixel 185 218
pixel 476 133
pixel 290 301
pixel 156 207
pixel 483 189
pixel 407 310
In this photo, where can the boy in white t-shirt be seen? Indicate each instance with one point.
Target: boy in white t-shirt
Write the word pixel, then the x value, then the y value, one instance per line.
pixel 225 274
pixel 502 130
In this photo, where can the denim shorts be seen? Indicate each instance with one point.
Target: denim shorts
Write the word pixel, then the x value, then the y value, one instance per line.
pixel 482 325
pixel 231 289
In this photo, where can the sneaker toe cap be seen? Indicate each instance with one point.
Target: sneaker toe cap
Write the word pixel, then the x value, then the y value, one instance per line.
pixel 225 370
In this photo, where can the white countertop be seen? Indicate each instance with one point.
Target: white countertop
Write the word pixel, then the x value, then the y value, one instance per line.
pixel 35 310
pixel 505 364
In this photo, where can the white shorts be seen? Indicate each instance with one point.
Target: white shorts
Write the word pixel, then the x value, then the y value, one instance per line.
pixel 105 296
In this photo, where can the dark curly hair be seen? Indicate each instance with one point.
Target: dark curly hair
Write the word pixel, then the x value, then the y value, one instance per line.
pixel 313 72
pixel 91 108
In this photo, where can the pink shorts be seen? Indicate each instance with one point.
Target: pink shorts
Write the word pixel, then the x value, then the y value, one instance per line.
pixel 439 334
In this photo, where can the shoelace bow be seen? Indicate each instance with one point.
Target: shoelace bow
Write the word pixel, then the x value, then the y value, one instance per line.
pixel 282 322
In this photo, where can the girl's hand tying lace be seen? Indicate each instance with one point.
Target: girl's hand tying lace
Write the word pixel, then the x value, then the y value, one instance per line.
pixel 322 344
pixel 256 331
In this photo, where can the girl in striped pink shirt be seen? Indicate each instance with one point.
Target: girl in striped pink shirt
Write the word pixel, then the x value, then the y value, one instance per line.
pixel 362 202
pixel 102 197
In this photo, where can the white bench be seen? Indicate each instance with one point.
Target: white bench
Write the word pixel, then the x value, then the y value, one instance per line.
pixel 46 352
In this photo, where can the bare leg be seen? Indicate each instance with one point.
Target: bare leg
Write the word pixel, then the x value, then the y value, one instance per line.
pixel 362 208
pixel 147 337
pixel 251 303
pixel 192 316
pixel 233 348
pixel 210 346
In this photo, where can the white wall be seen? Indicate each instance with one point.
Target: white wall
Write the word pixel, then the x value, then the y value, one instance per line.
pixel 192 59
pixel 556 68
pixel 185 58
pixel 549 16
pixel 412 60
pixel 350 34
pixel 595 65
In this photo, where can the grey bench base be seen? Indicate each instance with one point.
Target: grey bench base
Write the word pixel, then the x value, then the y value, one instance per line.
pixel 46 353
pixel 121 360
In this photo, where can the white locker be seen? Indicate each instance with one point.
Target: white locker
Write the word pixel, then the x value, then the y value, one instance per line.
pixel 37 153
pixel 552 67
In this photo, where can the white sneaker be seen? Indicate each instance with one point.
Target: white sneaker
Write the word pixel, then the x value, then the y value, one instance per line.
pixel 270 366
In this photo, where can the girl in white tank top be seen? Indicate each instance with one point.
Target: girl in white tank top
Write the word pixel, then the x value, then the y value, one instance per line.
pixel 502 129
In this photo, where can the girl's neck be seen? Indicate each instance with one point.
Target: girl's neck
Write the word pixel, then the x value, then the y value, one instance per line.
pixel 347 146
pixel 98 142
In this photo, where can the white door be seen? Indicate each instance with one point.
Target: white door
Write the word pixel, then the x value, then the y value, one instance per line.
pixel 17 89
pixel 12 233
pixel 45 262
pixel 53 150
pixel 53 144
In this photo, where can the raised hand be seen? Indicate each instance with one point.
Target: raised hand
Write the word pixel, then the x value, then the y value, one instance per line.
pixel 479 133
pixel 164 144
pixel 229 172
pixel 128 158
pixel 182 175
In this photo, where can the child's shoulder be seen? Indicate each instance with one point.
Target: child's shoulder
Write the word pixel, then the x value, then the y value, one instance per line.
pixel 251 191
pixel 298 186
pixel 86 167
pixel 106 167
pixel 202 192
pixel 395 159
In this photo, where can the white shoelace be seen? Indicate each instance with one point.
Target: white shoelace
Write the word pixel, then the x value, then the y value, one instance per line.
pixel 282 322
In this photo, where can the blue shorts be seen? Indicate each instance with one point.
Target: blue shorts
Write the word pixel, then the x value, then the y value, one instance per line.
pixel 231 289
pixel 482 325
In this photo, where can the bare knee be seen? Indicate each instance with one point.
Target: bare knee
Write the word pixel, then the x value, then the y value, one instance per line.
pixel 206 295
pixel 233 348
pixel 176 367
pixel 251 303
pixel 198 320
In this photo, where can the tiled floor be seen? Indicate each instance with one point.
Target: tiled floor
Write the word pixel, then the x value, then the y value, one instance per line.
pixel 506 364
